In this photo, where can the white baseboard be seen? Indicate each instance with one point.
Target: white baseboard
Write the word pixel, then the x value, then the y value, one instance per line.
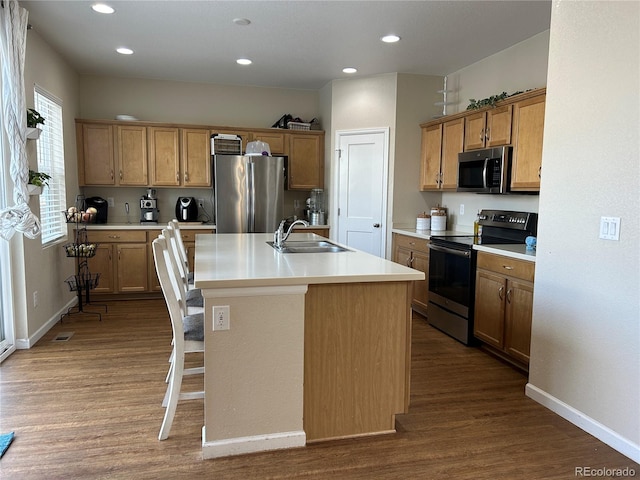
pixel 256 443
pixel 586 423
pixel 26 343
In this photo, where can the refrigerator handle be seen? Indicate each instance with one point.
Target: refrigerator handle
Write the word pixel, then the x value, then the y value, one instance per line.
pixel 251 198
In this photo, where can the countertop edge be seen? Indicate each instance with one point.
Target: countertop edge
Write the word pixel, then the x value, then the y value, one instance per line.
pixel 517 251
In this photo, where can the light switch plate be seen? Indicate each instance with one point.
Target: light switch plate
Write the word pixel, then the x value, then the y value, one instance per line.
pixel 610 228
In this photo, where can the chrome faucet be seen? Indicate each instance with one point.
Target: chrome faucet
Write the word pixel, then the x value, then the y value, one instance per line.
pixel 279 236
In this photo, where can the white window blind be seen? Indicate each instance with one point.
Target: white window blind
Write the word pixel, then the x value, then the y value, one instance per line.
pixel 51 161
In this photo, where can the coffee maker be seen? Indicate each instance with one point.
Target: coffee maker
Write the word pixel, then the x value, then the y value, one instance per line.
pixel 149 207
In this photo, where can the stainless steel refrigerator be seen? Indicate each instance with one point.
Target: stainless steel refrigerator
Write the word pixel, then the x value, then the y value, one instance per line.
pixel 249 193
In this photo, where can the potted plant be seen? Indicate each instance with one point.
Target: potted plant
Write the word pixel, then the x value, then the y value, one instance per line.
pixel 37 180
pixel 33 120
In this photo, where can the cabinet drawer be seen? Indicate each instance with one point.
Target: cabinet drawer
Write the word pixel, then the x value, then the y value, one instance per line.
pixel 411 243
pixel 117 236
pixel 506 266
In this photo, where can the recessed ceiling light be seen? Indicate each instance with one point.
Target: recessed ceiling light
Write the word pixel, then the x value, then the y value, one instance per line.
pixel 124 51
pixel 241 21
pixel 102 8
pixel 349 70
pixel 390 38
pixel 244 61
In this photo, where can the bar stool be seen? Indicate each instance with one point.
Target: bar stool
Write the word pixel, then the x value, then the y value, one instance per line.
pixel 188 336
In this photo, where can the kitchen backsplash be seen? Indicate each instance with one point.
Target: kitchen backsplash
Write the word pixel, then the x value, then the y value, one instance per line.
pixel 166 200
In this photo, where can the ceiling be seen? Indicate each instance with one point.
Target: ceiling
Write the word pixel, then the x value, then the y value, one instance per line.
pixel 293 44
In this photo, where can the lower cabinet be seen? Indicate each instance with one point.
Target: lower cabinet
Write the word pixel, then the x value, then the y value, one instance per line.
pixel 504 305
pixel 121 260
pixel 414 253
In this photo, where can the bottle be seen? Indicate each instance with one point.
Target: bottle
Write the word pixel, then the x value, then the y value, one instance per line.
pixel 477 228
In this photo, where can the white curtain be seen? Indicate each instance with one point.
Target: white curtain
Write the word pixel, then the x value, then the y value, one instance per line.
pixel 13 39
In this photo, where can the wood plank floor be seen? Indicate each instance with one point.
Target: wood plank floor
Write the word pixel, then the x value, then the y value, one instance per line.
pixel 90 408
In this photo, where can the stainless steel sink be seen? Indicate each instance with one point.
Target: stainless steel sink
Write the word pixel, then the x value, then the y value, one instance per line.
pixel 309 246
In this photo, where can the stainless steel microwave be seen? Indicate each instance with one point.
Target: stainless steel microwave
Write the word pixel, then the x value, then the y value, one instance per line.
pixel 485 171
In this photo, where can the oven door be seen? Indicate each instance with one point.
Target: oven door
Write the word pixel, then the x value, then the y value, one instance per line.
pixel 452 279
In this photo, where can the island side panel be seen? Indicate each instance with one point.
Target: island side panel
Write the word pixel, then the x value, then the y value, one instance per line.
pixel 254 371
pixel 356 358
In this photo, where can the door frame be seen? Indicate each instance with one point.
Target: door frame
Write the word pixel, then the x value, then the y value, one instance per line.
pixel 335 182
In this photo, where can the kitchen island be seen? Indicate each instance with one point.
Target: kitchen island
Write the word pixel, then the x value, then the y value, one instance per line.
pixel 318 345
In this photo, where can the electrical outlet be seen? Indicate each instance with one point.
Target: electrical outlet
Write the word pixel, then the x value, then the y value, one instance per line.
pixel 221 318
pixel 36 299
pixel 201 202
pixel 111 202
pixel 462 209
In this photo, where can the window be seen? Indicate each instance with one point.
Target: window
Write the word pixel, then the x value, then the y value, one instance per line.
pixel 51 161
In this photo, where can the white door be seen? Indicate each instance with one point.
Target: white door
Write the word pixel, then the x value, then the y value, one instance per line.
pixel 362 189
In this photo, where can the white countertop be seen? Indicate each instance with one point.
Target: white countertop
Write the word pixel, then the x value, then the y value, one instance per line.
pixel 246 260
pixel 514 250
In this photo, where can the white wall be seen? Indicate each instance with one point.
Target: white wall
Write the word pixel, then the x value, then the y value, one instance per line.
pixel 195 103
pixel 46 268
pixel 400 102
pixel 520 67
pixel 585 350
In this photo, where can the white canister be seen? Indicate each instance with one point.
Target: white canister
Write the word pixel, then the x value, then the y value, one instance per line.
pixel 423 223
pixel 438 222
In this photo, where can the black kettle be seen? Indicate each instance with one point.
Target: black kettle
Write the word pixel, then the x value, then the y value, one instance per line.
pixel 186 209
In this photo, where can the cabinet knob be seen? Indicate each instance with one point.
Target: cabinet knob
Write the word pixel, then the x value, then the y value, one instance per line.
pixel 540 171
pixel 500 290
pixel 509 296
pixel 507 267
pixel 186 176
pixel 376 225
pixel 120 174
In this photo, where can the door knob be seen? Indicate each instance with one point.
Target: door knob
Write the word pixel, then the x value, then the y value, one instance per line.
pixel 376 225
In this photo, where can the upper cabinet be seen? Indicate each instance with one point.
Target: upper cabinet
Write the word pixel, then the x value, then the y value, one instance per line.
pixel 164 156
pixel 196 157
pixel 441 144
pixel 487 129
pixel 306 161
pixel 277 141
pixel 528 128
pixel 96 159
pixel 156 155
pixel 516 121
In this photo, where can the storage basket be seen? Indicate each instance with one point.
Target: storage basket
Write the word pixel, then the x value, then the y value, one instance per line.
pixel 80 282
pixel 298 126
pixel 86 250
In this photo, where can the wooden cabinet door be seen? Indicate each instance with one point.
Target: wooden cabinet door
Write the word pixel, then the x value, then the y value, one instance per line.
pixel 431 151
pixel 306 162
pixel 474 131
pixel 275 140
pixel 132 155
pixel 489 309
pixel 421 287
pixel 196 158
pixel 102 263
pixel 164 156
pixel 498 126
pixel 452 145
pixel 528 129
pixel 518 315
pixel 132 267
pixel 96 162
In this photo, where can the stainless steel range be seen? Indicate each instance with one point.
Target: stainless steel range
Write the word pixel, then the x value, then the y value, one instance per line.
pixel 452 268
